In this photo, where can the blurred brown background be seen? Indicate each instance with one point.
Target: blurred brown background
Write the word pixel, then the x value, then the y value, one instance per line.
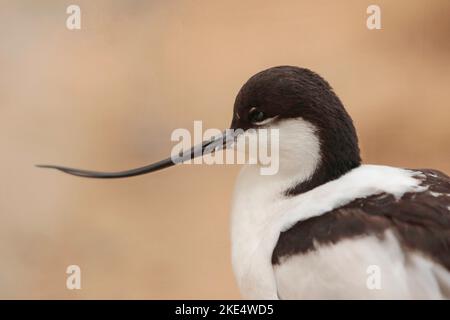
pixel 109 95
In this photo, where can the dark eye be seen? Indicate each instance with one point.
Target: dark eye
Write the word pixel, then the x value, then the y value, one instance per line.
pixel 256 115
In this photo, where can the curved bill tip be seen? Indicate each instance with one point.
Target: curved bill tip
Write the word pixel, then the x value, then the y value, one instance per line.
pixel 205 147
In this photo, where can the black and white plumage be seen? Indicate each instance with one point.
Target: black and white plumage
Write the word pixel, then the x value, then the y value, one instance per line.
pixel 313 229
pixel 321 243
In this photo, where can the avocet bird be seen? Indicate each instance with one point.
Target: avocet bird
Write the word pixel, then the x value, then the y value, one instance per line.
pixel 321 225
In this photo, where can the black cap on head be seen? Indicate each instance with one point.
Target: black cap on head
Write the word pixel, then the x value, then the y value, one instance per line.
pixel 287 92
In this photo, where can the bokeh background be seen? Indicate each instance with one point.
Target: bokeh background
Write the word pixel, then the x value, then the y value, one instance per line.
pixel 109 95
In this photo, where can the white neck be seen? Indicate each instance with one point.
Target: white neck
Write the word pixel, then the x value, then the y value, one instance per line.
pixel 258 198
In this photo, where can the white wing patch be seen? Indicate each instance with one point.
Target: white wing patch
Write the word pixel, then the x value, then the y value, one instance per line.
pixel 361 182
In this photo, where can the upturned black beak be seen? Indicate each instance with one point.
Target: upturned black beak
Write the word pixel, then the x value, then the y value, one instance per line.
pixel 225 140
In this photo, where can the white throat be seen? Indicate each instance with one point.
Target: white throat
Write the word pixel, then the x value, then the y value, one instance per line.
pixel 298 154
pixel 299 150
